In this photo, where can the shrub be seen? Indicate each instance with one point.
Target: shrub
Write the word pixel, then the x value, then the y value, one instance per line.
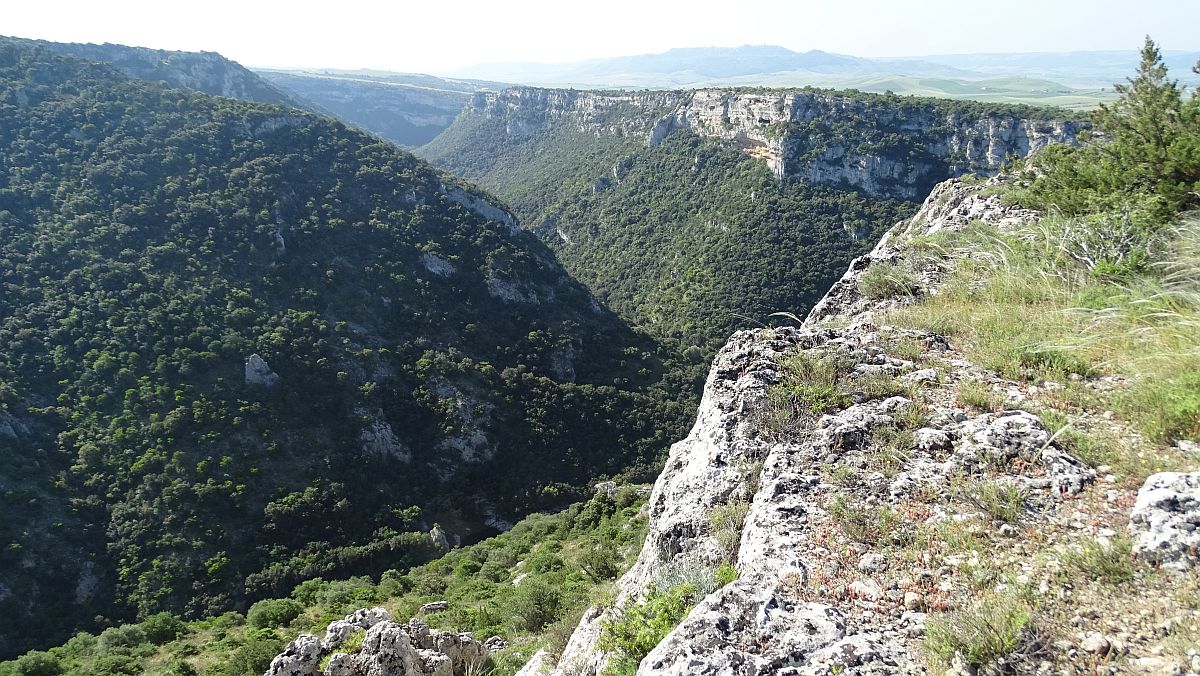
pixel 121 639
pixel 253 657
pixel 37 663
pixel 309 591
pixel 635 629
pixel 272 613
pixel 163 628
pixel 600 560
pixel 536 605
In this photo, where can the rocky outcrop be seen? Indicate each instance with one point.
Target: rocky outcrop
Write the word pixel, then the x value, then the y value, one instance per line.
pixel 798 606
pixel 938 140
pixel 480 206
pixel 388 649
pixel 1165 521
pixel 259 374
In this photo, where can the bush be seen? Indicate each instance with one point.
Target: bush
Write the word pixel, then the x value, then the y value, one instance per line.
pixel 163 628
pixel 37 663
pixel 272 613
pixel 536 605
pixel 600 559
pixel 121 639
pixel 636 629
pixel 309 591
pixel 251 659
pixel 115 665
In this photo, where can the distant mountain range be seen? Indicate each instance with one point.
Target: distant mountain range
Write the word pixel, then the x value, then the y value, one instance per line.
pixel 1075 79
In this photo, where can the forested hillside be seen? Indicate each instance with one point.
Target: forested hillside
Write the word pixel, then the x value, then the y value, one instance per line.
pixel 696 213
pixel 419 357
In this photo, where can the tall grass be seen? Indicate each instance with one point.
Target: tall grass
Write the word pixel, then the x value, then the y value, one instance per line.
pixel 1025 305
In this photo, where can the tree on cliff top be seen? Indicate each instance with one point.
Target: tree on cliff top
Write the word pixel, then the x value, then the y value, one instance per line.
pixel 1148 162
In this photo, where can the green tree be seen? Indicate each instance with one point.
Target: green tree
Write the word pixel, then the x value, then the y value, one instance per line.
pixel 1146 164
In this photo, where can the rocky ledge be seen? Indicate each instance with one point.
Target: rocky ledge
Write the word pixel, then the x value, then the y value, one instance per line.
pixel 836 563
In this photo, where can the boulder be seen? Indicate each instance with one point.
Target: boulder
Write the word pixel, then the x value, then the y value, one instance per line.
pixel 300 658
pixel 1165 520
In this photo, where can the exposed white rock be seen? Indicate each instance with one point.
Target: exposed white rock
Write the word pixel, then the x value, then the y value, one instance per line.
pixel 509 290
pixel 540 664
pixel 1165 520
pixel 378 439
pixel 300 658
pixel 388 649
pixel 259 373
pixel 437 265
pixel 480 206
pixel 12 428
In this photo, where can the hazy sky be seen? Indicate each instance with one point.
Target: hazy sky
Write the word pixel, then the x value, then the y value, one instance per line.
pixel 439 36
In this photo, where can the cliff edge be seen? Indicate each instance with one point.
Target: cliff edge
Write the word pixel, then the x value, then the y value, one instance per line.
pixel 880 505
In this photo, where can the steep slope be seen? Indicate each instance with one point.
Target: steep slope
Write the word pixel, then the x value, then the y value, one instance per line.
pixel 881 478
pixel 684 209
pixel 408 110
pixel 241 344
pixel 205 72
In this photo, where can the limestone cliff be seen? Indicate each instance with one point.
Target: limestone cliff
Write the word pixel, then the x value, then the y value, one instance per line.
pixel 898 146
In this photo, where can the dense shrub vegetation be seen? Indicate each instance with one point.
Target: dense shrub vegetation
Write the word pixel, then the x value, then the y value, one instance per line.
pixel 548 554
pixel 151 239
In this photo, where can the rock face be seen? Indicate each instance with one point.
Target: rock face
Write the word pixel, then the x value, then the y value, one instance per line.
pixel 940 140
pixel 388 649
pixel 1165 521
pixel 797 606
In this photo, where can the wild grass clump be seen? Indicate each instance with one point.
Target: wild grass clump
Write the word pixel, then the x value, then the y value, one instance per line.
pixel 812 385
pixel 978 395
pixel 1001 500
pixel 1025 305
pixel 868 525
pixel 1108 562
pixel 987 634
pixel 726 523
pixel 886 280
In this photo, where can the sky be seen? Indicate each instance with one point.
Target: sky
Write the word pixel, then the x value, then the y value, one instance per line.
pixel 440 36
